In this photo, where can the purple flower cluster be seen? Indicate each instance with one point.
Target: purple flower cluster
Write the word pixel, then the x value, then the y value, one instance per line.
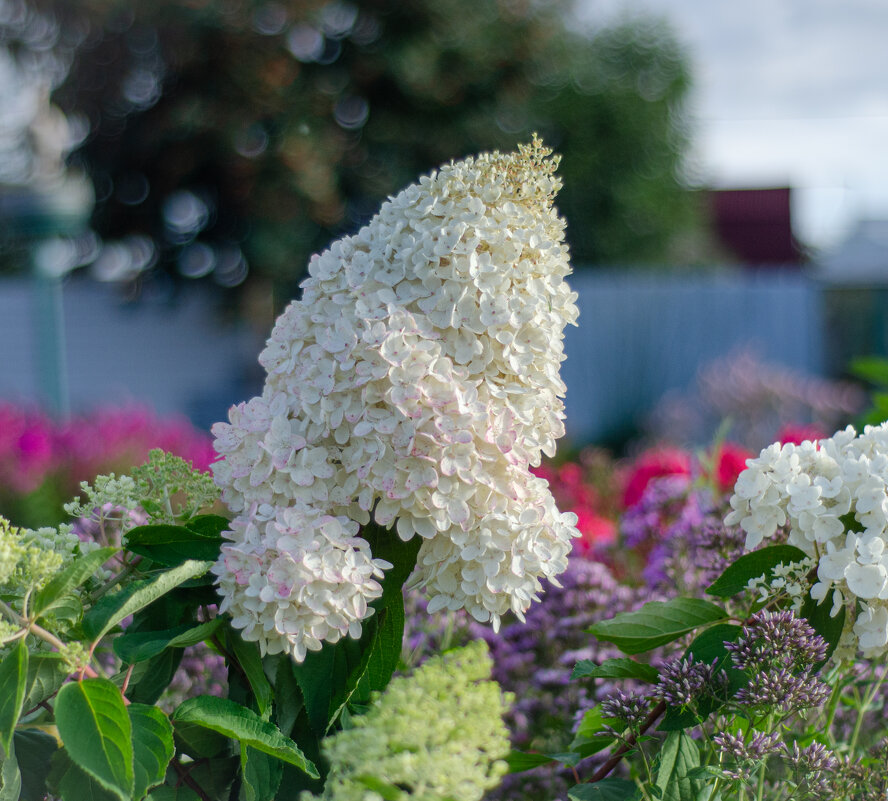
pixel 777 639
pixel 678 525
pixel 683 682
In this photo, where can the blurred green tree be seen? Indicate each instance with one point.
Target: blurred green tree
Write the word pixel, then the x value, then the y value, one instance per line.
pixel 228 133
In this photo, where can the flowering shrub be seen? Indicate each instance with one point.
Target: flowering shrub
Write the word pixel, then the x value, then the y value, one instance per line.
pixel 416 381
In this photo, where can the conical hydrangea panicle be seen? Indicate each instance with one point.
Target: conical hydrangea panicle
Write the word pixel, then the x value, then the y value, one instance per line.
pixel 416 381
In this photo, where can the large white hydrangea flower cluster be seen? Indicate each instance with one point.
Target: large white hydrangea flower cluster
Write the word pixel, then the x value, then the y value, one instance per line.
pixel 416 381
pixel 833 497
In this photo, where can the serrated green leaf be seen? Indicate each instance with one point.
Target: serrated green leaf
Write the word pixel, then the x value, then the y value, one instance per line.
pixel 386 544
pixel 679 755
pixel 155 676
pixel 752 565
pixel 260 775
pixel 165 793
pixel 609 789
pixel 208 525
pixel 519 761
pixel 152 747
pixel 71 577
pixel 173 545
pixel 245 726
pixel 619 668
pixel 94 726
pixel 46 673
pixel 287 695
pixel 386 651
pixel 10 779
pixel 111 609
pixel 33 752
pixel 13 683
pixel 248 657
pixel 74 784
pixel 137 646
pixel 657 623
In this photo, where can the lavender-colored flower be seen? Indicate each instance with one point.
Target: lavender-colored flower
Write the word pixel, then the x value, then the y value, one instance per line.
pixel 780 689
pixel 630 709
pixel 812 759
pixel 683 681
pixel 777 639
pixel 736 748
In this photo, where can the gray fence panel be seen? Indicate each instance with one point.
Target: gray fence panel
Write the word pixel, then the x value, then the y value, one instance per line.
pixel 641 335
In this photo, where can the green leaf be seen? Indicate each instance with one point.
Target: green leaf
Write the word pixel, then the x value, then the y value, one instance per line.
pixel 82 568
pixel 287 695
pixel 243 725
pixel 208 525
pixel 152 746
pixel 165 793
pixel 33 752
pixel 386 544
pixel 830 628
pixel 97 734
pixel 173 545
pixel 519 761
pixel 46 673
pixel 620 668
pixel 10 779
pixel 74 784
pixel 871 368
pixel 386 651
pixel 156 675
pixel 248 657
pixel 657 623
pixel 752 565
pixel 261 775
pixel 13 683
pixel 588 739
pixel 111 609
pixel 678 756
pixel 136 646
pixel 605 790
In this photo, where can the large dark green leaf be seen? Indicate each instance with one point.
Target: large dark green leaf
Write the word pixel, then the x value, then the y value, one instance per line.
pixel 619 668
pixel 287 695
pixel 250 661
pixel 94 726
pixel 70 578
pixel 111 609
pixel 152 746
pixel 208 525
pixel 386 651
pixel 13 684
pixel 752 565
pixel 10 779
pixel 173 545
pixel 156 675
pixel 589 738
pixel 657 623
pixel 74 784
pixel 386 544
pixel 244 725
pixel 33 751
pixel 136 646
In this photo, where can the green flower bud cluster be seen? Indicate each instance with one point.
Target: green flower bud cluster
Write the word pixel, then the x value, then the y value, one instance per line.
pixel 169 488
pixel 111 495
pixel 435 735
pixel 26 563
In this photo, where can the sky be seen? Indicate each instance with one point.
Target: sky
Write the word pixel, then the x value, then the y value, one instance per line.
pixel 787 92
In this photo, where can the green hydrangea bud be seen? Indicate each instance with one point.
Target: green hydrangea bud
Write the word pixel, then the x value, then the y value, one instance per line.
pixel 435 735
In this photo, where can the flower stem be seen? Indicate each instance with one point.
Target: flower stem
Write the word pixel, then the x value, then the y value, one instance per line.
pixel 629 744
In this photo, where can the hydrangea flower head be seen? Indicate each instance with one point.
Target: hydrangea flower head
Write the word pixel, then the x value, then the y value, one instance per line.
pixel 832 496
pixel 435 735
pixel 416 381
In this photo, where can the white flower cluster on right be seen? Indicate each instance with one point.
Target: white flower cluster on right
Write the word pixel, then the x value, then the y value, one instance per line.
pixel 832 495
pixel 415 382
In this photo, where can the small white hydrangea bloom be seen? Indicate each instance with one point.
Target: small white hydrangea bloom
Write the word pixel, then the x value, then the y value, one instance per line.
pixel 416 381
pixel 833 497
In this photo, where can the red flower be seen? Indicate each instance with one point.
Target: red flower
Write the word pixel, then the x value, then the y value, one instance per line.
pixel 595 530
pixel 654 464
pixel 798 433
pixel 729 461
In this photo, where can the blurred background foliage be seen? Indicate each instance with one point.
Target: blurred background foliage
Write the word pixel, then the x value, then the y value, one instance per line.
pixel 230 139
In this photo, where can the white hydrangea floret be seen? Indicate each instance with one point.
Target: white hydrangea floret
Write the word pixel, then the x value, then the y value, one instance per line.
pixel 832 497
pixel 416 382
